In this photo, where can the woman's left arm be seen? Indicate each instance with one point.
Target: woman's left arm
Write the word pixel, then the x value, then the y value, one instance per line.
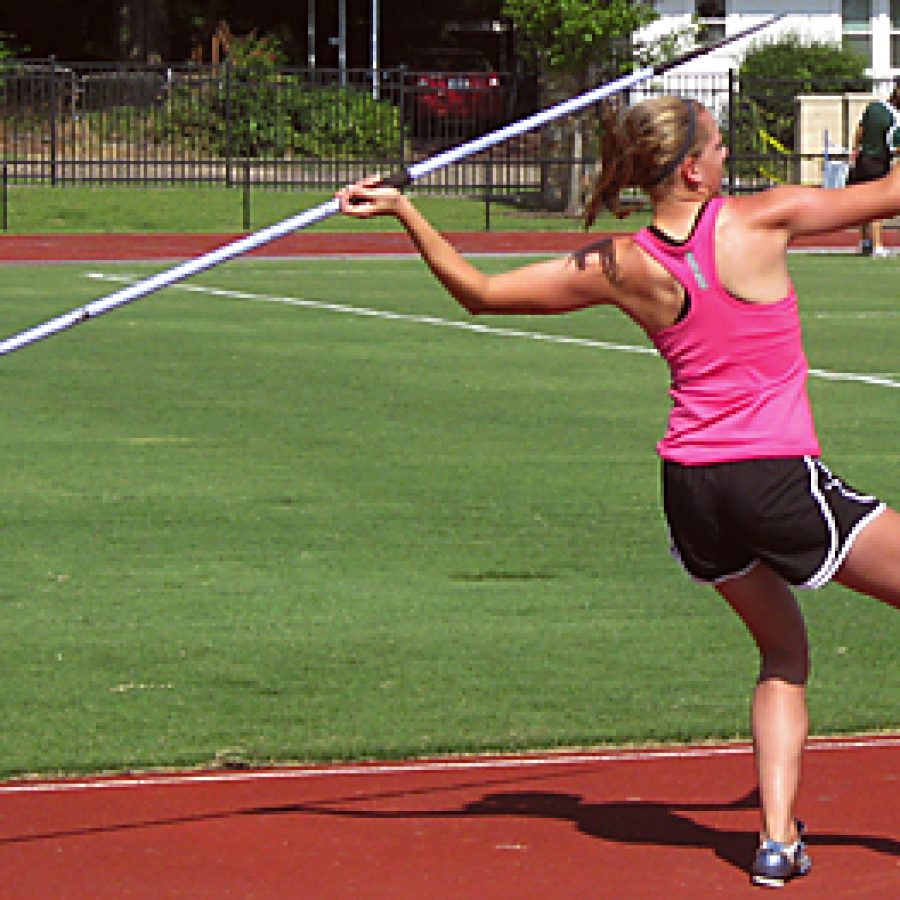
pixel 807 210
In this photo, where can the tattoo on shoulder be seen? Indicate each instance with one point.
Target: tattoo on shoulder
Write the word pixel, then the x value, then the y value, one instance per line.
pixel 605 251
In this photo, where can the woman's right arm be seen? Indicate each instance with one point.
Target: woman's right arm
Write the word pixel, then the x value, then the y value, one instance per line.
pixel 554 286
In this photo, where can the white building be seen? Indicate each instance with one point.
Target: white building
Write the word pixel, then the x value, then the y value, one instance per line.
pixel 870 27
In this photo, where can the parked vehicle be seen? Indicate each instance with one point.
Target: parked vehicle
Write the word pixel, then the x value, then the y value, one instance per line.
pixel 456 85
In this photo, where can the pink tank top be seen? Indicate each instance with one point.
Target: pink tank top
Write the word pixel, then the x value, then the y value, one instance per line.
pixel 738 368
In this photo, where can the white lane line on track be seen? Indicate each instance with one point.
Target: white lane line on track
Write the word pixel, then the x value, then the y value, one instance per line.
pixel 826 375
pixel 188 779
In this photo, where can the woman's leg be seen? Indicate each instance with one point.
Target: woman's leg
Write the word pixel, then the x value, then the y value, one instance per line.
pixel 865 239
pixel 779 719
pixel 873 564
pixel 875 231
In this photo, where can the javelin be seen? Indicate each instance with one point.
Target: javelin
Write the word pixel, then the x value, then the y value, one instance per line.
pixel 317 214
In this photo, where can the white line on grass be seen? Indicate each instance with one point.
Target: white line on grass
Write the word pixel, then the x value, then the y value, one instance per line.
pixel 858 314
pixel 427 766
pixel 365 311
pixel 368 312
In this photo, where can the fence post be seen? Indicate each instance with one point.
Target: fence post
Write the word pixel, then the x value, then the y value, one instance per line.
pixel 732 131
pixel 5 189
pixel 228 111
pixel 53 119
pixel 488 189
pixel 247 194
pixel 402 106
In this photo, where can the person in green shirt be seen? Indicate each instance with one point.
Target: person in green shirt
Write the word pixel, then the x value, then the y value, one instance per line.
pixel 877 137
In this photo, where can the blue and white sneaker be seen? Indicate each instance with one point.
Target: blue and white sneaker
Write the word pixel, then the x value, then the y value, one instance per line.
pixel 776 863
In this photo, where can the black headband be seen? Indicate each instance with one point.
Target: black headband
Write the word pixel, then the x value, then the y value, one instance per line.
pixel 685 148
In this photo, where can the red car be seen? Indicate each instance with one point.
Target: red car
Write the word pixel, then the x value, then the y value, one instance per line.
pixel 458 85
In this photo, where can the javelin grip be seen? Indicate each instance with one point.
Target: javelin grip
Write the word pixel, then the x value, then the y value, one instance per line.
pixel 399 179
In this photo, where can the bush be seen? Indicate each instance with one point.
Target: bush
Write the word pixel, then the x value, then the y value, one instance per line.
pixel 772 74
pixel 817 66
pixel 275 112
pixel 255 109
pixel 329 121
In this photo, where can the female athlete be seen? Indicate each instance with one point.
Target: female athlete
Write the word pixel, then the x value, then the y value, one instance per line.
pixel 751 507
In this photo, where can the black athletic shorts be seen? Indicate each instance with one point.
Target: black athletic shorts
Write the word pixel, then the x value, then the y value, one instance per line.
pixel 868 168
pixel 792 514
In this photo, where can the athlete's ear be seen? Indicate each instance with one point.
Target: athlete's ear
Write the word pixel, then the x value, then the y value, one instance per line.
pixel 690 171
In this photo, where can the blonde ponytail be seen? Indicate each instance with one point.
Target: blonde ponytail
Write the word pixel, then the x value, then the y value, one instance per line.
pixel 641 147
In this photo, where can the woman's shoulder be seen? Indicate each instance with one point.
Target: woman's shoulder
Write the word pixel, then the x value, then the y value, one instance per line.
pixel 624 263
pixel 763 208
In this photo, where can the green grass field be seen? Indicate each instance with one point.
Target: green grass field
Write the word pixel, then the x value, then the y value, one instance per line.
pixel 236 529
pixel 213 208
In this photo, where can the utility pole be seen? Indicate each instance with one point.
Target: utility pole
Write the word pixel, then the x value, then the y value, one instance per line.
pixel 376 80
pixel 311 33
pixel 342 40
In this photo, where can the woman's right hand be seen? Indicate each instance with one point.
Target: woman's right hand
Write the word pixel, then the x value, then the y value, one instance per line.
pixel 369 197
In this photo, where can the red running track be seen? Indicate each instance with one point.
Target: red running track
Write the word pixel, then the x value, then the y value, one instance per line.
pixel 105 247
pixel 655 824
pixel 88 247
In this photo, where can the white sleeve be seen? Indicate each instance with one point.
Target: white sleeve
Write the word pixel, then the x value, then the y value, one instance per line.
pixel 892 136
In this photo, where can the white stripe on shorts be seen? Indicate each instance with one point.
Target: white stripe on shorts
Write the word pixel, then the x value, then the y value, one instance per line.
pixel 837 552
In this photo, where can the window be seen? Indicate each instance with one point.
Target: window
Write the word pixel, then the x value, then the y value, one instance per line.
pixel 711 18
pixel 857 26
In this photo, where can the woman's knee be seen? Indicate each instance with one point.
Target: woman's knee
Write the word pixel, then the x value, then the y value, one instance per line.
pixel 784 651
pixel 789 663
pixel 768 608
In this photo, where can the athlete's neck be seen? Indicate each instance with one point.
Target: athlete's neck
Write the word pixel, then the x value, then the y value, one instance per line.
pixel 676 213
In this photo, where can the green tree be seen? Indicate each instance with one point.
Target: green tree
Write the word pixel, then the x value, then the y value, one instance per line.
pixel 576 36
pixel 576 41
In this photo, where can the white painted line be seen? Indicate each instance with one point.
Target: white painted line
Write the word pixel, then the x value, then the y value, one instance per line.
pixel 877 380
pixel 368 312
pixel 858 314
pixel 188 779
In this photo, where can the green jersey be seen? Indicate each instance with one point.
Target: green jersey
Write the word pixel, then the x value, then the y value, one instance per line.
pixel 880 134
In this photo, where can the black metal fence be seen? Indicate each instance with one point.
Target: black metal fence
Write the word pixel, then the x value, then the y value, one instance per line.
pixel 83 122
